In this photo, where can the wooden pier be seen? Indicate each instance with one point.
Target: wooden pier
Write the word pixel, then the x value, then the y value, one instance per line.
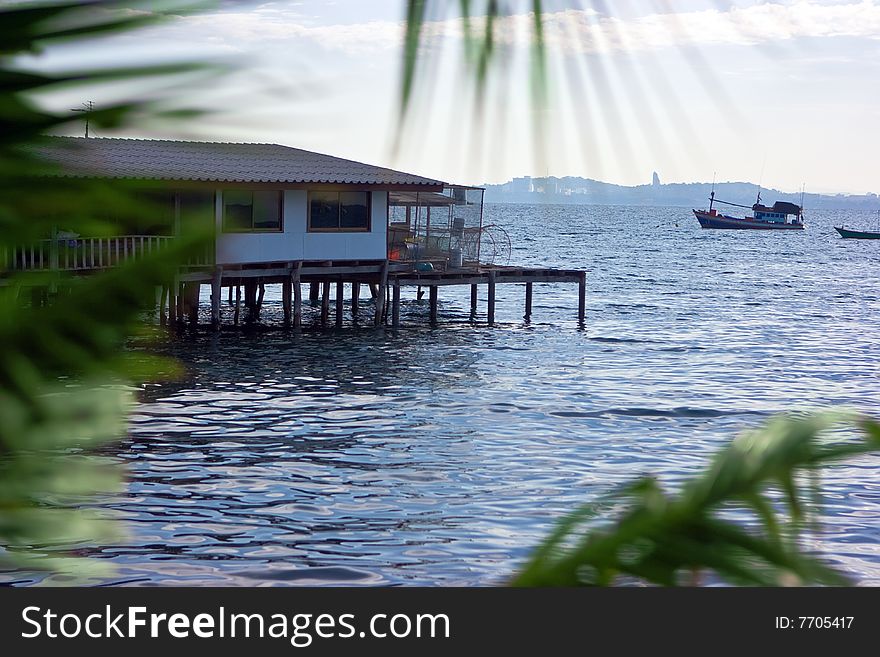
pixel 384 279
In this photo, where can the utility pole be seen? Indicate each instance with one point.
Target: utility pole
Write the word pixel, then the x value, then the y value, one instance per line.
pixel 87 108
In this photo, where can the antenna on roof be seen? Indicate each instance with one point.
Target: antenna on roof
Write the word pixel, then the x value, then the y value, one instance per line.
pixel 87 108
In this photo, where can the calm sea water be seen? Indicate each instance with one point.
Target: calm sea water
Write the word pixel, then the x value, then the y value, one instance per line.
pixel 439 456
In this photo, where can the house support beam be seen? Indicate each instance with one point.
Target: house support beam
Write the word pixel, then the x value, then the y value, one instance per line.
pixel 235 315
pixel 286 294
pixel 528 314
pixel 395 305
pixel 582 299
pixel 380 295
pixel 163 300
pixel 340 301
pixel 172 303
pixel 181 299
pixel 216 293
pixel 297 295
pixel 355 298
pixel 250 301
pixel 491 304
pixel 473 299
pixel 193 291
pixel 433 296
pixel 325 303
pixel 314 291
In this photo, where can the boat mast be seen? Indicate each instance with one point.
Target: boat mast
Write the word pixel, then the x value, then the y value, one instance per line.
pixel 801 213
pixel 712 195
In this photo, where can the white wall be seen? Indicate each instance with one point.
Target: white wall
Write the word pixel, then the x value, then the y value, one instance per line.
pixel 296 243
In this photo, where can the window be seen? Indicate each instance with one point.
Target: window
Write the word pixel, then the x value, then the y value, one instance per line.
pixel 196 212
pixel 247 211
pixel 339 211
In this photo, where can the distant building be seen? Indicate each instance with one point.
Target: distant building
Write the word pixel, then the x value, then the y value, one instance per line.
pixel 656 180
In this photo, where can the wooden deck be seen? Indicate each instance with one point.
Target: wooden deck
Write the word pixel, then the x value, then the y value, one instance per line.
pixel 384 278
pixel 180 300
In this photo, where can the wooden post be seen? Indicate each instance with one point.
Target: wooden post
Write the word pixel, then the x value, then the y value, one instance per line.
pixel 380 294
pixel 373 292
pixel 237 304
pixel 473 299
pixel 340 300
pixel 163 318
pixel 216 292
pixel 325 303
pixel 181 302
pixel 355 298
pixel 314 292
pixel 491 310
pixel 395 305
pixel 286 293
pixel 582 298
pixel 193 291
pixel 433 296
pixel 229 297
pixel 297 296
pixel 250 300
pixel 172 303
pixel 528 300
pixel 260 299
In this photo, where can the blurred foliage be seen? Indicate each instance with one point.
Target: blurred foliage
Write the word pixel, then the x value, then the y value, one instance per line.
pixel 770 474
pixel 480 22
pixel 63 374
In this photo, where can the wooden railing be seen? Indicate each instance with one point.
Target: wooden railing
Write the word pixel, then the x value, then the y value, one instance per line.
pixel 88 253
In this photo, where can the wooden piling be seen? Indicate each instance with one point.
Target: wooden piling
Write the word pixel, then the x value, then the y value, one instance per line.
pixel 473 299
pixel 380 294
pixel 260 299
pixel 237 305
pixel 340 300
pixel 250 300
pixel 395 305
pixel 355 298
pixel 163 299
pixel 216 292
pixel 172 303
pixel 286 293
pixel 314 291
pixel 325 303
pixel 582 298
pixel 491 305
pixel 433 296
pixel 297 295
pixel 181 302
pixel 229 296
pixel 193 292
pixel 528 300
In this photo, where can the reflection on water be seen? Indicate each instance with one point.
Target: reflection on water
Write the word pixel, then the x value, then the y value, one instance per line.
pixel 439 456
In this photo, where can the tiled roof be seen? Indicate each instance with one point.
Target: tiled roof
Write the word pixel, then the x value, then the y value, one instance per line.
pixel 147 159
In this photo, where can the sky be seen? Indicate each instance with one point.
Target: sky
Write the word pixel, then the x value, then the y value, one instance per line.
pixel 783 93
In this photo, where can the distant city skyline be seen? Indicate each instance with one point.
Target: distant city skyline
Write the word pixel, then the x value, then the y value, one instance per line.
pixel 782 93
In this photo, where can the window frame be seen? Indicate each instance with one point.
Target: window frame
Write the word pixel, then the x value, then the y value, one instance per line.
pixel 339 228
pixel 243 231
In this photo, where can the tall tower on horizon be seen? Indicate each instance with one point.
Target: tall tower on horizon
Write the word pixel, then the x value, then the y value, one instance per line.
pixel 656 180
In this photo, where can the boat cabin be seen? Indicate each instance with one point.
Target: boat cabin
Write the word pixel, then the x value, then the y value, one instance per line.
pixel 779 213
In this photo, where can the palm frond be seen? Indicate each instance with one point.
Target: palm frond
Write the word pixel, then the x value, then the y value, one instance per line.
pixel 662 537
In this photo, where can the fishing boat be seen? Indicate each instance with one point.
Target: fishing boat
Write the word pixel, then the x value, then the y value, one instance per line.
pixel 781 216
pixel 856 234
pixel 848 234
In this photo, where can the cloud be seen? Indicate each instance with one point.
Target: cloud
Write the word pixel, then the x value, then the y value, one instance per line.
pixel 570 31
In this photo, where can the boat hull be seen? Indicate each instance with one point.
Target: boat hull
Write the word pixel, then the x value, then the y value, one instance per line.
pixel 720 221
pixel 857 234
